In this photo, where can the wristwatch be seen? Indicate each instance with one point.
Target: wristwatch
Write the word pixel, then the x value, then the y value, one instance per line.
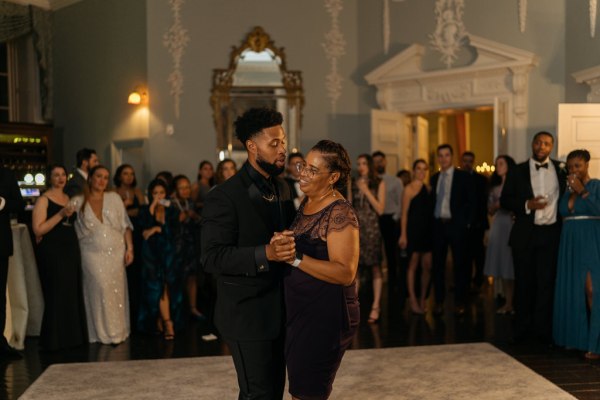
pixel 298 259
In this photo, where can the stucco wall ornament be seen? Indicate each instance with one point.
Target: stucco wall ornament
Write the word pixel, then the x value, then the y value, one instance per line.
pixel 450 33
pixel 522 15
pixel 593 10
pixel 335 47
pixel 176 39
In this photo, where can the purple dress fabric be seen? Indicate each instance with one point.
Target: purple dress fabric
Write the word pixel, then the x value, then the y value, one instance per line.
pixel 321 317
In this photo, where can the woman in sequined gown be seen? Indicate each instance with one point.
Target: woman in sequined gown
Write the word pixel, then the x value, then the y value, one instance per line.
pixel 59 265
pixel 367 196
pixel 321 299
pixel 104 232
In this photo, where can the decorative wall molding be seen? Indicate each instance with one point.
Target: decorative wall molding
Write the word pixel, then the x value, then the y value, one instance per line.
pixel 450 33
pixel 499 76
pixel 176 40
pixel 590 77
pixel 335 47
pixel 46 4
pixel 593 11
pixel 522 15
pixel 386 26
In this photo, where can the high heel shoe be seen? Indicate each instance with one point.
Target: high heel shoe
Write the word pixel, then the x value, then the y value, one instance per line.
pixel 373 315
pixel 168 330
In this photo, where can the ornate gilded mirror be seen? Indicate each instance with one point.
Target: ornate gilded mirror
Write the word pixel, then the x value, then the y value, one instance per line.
pixel 257 77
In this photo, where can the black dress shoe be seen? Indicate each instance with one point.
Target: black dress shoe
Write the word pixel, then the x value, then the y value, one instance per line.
pixel 9 353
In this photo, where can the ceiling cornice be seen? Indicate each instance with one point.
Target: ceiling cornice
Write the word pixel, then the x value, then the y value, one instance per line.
pixel 46 4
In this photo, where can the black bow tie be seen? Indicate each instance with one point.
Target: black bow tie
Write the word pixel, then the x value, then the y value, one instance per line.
pixel 538 166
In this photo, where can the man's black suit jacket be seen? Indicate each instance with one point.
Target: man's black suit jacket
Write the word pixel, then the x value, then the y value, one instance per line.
pixel 462 198
pixel 9 190
pixel 236 224
pixel 515 193
pixel 75 185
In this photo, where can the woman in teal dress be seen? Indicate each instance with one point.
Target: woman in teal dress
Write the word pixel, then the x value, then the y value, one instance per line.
pixel 576 318
pixel 162 276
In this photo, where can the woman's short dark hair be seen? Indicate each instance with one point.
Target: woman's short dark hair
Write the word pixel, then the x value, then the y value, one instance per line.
pixel 496 180
pixel 117 178
pixel 337 159
pixel 579 153
pixel 255 120
pixel 153 184
pixel 420 160
pixel 51 168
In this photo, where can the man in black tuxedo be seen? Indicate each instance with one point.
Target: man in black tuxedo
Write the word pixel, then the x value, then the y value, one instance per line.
pixel 293 177
pixel 475 248
pixel 86 160
pixel 239 219
pixel 531 191
pixel 454 199
pixel 11 202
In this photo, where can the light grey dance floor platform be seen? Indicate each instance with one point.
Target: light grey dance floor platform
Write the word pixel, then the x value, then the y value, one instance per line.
pixel 448 372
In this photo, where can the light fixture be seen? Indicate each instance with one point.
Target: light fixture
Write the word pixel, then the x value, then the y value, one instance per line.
pixel 137 97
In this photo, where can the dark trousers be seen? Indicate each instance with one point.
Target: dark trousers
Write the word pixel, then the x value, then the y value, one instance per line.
pixel 447 233
pixel 476 254
pixel 535 273
pixel 260 367
pixel 3 282
pixel 390 232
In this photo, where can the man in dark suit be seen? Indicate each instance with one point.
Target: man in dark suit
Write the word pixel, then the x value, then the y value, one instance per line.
pixel 86 160
pixel 293 177
pixel 531 191
pixel 454 199
pixel 239 219
pixel 475 248
pixel 11 202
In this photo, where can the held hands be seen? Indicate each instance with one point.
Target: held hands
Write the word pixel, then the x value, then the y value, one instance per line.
pixel 282 247
pixel 537 203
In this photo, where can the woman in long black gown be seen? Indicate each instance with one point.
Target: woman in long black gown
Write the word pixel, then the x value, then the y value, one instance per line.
pixel 320 285
pixel 63 324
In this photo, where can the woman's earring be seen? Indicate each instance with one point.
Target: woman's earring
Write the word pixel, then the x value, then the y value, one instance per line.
pixel 332 191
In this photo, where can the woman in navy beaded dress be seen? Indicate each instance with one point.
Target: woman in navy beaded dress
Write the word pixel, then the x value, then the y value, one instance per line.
pixel 320 285
pixel 576 322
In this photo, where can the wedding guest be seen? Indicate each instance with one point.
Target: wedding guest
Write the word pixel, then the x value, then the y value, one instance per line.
pixel 204 182
pixel 104 232
pixel 367 194
pixel 59 265
pixel 498 257
pixel 292 177
pixel 576 311
pixel 188 250
pixel 11 202
pixel 531 191
pixel 404 176
pixel 126 186
pixel 416 236
pixel 225 170
pixel 86 160
pixel 167 178
pixel 162 276
pixel 321 297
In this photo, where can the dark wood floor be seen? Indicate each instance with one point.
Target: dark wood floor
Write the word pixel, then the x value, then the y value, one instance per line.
pixel 397 327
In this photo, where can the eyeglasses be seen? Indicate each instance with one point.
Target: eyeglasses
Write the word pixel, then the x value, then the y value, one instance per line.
pixel 302 168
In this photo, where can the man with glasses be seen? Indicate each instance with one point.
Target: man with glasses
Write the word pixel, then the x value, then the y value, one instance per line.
pixel 293 177
pixel 239 219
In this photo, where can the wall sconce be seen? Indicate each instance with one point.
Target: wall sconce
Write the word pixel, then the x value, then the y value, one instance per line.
pixel 137 97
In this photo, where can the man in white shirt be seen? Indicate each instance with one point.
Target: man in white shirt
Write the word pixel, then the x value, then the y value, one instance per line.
pixel 389 221
pixel 86 160
pixel 531 191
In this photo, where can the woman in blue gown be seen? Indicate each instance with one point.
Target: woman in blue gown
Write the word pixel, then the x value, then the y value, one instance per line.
pixel 576 317
pixel 162 275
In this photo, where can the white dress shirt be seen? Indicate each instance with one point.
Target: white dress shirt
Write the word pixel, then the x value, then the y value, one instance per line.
pixel 544 182
pixel 445 211
pixel 393 196
pixel 2 203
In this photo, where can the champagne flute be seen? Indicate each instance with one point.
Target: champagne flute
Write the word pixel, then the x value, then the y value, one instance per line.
pixel 72 204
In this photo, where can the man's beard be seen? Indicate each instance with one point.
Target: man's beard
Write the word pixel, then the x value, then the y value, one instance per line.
pixel 380 169
pixel 269 168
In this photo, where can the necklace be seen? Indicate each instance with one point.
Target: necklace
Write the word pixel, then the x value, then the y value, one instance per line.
pixel 327 194
pixel 269 198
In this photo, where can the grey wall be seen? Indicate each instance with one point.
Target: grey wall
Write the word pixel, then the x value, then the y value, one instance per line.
pixel 99 57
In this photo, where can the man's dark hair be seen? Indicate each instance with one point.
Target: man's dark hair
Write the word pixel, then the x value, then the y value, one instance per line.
pixel 84 155
pixel 255 120
pixel 468 154
pixel 543 133
pixel 378 153
pixel 444 146
pixel 294 155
